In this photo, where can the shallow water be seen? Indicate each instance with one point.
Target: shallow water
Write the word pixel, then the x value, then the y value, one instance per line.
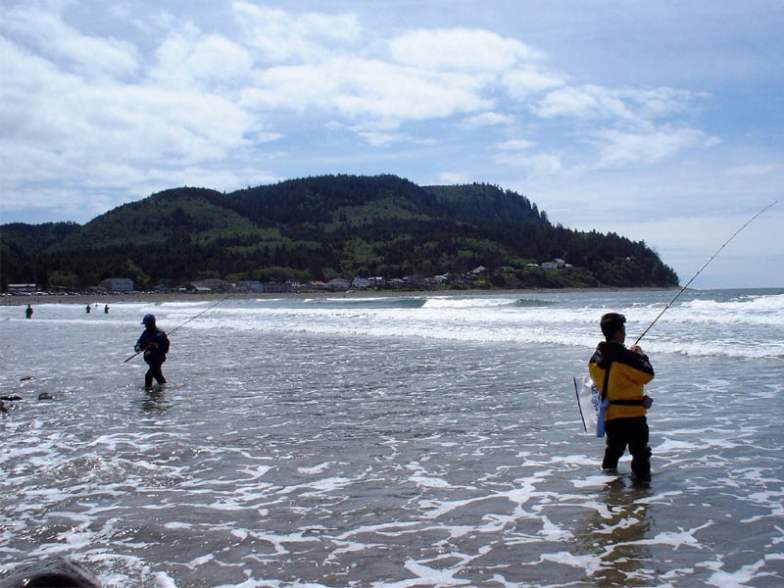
pixel 420 441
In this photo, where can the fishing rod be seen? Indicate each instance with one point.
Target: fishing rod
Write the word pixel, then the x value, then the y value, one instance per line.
pixel 210 307
pixel 699 271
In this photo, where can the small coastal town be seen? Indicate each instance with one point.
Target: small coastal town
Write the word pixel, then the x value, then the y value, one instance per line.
pixel 478 278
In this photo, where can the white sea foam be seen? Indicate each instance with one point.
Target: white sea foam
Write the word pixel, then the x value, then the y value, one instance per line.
pixel 450 302
pixel 589 563
pixel 693 328
pixel 740 578
pixel 164 580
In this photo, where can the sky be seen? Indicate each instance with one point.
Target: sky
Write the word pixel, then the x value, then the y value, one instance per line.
pixel 661 121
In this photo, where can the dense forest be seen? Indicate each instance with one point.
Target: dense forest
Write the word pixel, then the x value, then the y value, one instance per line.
pixel 320 228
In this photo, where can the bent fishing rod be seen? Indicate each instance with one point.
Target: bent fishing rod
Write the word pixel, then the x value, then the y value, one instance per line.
pixel 706 264
pixel 210 307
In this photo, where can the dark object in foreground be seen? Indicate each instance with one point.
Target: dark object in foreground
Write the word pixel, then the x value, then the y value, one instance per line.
pixel 57 573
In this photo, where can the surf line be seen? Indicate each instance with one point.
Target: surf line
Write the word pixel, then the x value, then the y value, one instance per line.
pixel 706 264
pixel 194 317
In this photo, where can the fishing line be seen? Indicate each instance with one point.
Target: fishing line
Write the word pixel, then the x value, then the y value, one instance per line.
pixel 699 271
pixel 194 317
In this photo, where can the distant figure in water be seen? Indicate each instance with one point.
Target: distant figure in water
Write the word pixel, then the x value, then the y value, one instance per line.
pixel 155 345
pixel 620 374
pixel 106 309
pixel 29 311
pixel 87 309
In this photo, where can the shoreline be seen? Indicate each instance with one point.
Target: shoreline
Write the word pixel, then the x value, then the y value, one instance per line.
pixel 159 297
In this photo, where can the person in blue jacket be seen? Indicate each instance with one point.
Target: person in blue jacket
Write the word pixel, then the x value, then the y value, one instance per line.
pixel 155 345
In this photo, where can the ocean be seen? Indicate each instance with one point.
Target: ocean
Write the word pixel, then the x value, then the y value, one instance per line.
pixel 396 441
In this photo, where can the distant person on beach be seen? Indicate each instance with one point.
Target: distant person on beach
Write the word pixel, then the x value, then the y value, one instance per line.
pixel 106 309
pixel 29 311
pixel 620 374
pixel 155 345
pixel 87 309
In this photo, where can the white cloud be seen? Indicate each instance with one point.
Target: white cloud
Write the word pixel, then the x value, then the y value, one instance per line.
pixel 58 127
pixel 582 102
pixel 617 147
pixel 460 49
pixel 380 138
pixel 79 109
pixel 53 111
pixel 187 56
pixel 515 145
pixel 89 55
pixel 637 106
pixel 539 164
pixel 365 88
pixel 280 37
pixel 453 177
pixel 657 102
pixel 521 83
pixel 487 119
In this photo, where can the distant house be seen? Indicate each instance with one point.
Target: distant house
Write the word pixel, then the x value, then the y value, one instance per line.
pixel 338 284
pixel 453 278
pixel 22 288
pixel 317 285
pixel 480 269
pixel 549 265
pixel 249 286
pixel 377 282
pixel 360 283
pixel 211 285
pixel 117 284
pixel 276 287
pixel 415 280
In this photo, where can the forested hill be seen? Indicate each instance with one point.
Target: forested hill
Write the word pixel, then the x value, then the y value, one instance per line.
pixel 323 227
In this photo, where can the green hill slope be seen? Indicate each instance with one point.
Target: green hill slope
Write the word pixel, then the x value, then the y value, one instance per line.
pixel 324 227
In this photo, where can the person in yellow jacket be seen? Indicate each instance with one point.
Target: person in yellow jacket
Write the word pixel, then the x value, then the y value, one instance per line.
pixel 620 375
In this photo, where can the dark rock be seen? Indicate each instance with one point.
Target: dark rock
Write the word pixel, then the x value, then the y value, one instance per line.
pixel 45 396
pixel 10 398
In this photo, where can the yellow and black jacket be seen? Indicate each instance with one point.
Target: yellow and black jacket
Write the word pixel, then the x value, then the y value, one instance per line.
pixel 629 372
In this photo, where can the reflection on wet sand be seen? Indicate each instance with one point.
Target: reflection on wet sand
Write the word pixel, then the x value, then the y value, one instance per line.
pixel 613 535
